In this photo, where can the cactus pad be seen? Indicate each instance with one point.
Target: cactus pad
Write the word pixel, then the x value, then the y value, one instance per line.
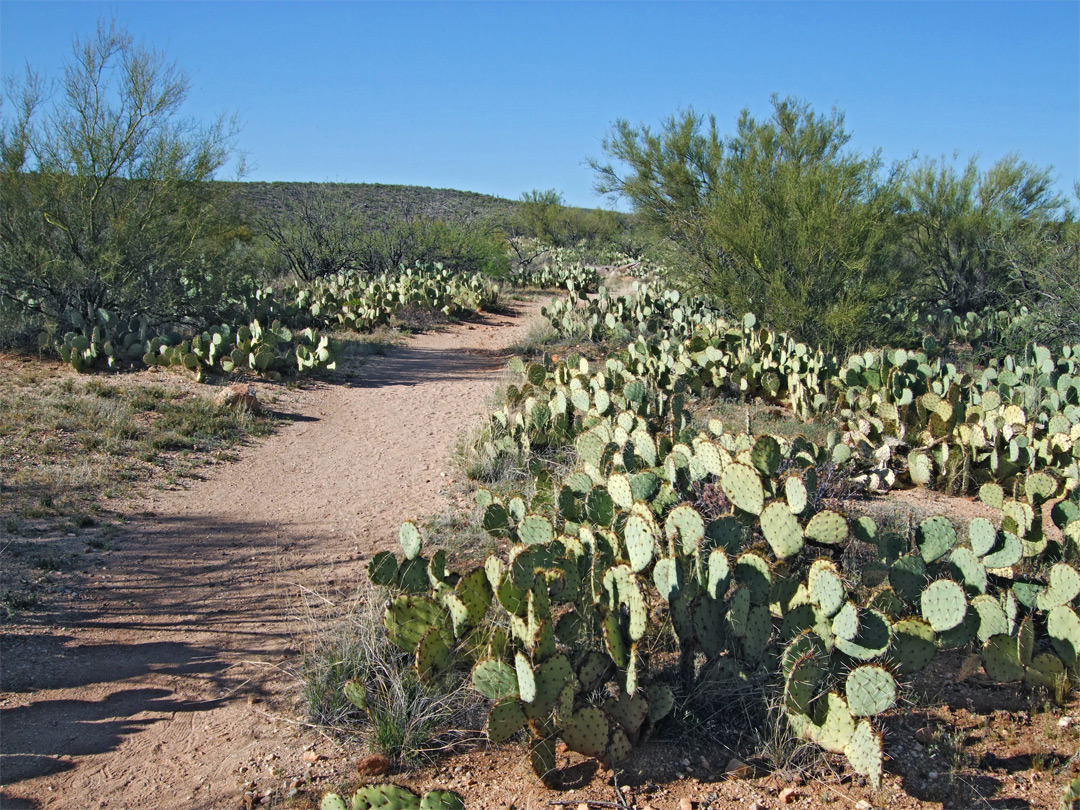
pixel 1001 658
pixel 935 537
pixel 864 754
pixel 781 530
pixel 433 656
pixel 640 539
pixel 1062 588
pixel 742 485
pixel 409 617
pixel 495 679
pixel 620 490
pixel 827 527
pixel 442 800
pixel 825 587
pixel 907 576
pixel 982 536
pixel 1063 627
pixel 914 645
pixel 588 732
pixel 870 690
pixel 383 568
pixel 944 605
pixel 833 727
pixel 411 539
pixel 685 524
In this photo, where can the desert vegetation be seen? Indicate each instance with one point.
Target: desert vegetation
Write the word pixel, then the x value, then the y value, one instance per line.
pixel 673 491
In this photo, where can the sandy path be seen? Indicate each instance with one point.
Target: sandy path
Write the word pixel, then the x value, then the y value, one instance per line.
pixel 163 690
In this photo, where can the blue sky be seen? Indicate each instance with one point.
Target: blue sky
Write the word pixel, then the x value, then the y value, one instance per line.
pixel 505 97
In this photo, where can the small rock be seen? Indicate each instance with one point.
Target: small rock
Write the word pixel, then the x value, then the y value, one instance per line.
pixel 373 765
pixel 239 395
pixel 625 790
pixel 583 806
pixel 1065 722
pixel 787 795
pixel 685 804
pixel 311 756
pixel 756 806
pixel 863 804
pixel 924 735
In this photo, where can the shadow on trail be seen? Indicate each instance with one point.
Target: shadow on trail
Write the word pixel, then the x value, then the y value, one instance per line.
pixel 78 728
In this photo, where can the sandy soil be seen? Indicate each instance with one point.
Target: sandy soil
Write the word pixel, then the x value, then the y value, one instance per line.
pixel 162 687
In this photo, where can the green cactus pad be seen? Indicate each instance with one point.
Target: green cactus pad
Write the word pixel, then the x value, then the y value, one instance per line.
pixel 542 759
pixel 412 575
pixel 982 536
pixel 755 639
pixel 752 571
pixel 628 711
pixel 474 591
pixel 619 748
pixel 1008 552
pixel 599 507
pixel 644 486
pixel 920 468
pixel 496 520
pixel 588 732
pixel 873 638
pixel 1045 672
pixel 718 574
pixel 495 679
pixel 620 490
pixel 864 754
pixel 914 645
pixel 935 538
pixel 766 455
pixel 1062 588
pixel 1001 659
pixel 870 690
pixel 795 494
pixel 409 617
pixel 383 568
pixel 966 568
pixel 526 679
pixel 614 641
pixel 827 527
pixel 433 656
pixel 1040 487
pixel 943 604
pixel 384 797
pixel 356 694
pixel 833 726
pixel 845 623
pixel 865 530
pixel 707 624
pixel 992 495
pixel 442 800
pixel 781 530
pixel 1063 627
pixel 661 701
pixel 992 618
pixel 641 542
pixel 332 801
pixel 535 530
pixel 666 578
pixel 742 485
pixel 685 524
pixel 594 669
pixel 411 539
pixel 908 578
pixel 825 587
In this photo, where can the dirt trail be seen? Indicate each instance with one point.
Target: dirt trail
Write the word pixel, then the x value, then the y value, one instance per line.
pixel 163 689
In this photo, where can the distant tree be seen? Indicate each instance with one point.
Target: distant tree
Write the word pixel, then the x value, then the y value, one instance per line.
pixel 104 189
pixel 313 229
pixel 780 219
pixel 973 235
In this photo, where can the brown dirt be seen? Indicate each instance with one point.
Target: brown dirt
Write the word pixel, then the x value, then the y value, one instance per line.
pixel 154 678
pixel 160 675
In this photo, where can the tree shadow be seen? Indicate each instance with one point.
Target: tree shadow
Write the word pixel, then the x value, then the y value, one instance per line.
pixel 77 728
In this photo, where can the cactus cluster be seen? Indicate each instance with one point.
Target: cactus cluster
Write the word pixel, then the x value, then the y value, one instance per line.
pixel 393 797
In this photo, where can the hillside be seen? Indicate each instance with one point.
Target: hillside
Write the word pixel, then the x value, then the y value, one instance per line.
pixel 379 201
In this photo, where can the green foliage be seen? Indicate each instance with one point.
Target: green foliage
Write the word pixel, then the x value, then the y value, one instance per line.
pixel 976 238
pixel 780 219
pixel 106 194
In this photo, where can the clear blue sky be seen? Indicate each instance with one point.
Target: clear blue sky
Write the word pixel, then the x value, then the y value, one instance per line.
pixel 505 97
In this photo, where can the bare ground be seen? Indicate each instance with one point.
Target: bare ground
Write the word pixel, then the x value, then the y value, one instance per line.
pixel 155 681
